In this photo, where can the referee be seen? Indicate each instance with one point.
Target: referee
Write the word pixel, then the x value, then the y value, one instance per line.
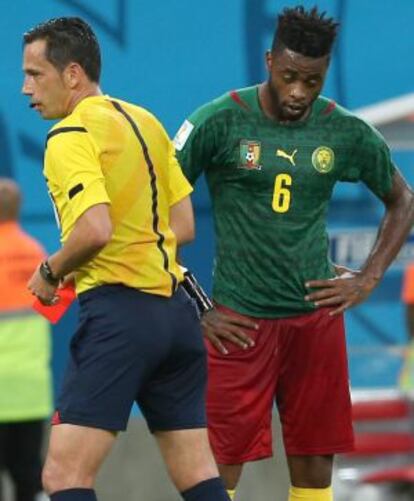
pixel 117 189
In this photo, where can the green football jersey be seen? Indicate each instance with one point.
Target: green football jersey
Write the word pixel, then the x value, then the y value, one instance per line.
pixel 270 185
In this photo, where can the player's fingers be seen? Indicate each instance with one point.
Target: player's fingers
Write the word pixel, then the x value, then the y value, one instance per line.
pixel 341 308
pixel 322 294
pixel 315 284
pixel 231 331
pixel 215 341
pixel 329 301
pixel 239 321
pixel 246 323
pixel 237 338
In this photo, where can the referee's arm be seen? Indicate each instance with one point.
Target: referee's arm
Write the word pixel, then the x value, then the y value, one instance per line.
pixel 92 231
pixel 182 221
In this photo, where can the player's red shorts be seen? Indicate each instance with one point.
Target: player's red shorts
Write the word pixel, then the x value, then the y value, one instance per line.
pixel 299 362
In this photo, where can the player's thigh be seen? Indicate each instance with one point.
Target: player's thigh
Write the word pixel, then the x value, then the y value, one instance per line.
pixel 313 394
pixel 114 350
pixel 173 397
pixel 240 395
pixel 75 454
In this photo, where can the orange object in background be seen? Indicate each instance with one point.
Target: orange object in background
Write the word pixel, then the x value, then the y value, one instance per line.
pixel 19 256
pixel 408 285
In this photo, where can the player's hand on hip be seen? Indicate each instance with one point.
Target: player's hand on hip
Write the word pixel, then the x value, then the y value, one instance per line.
pixel 219 326
pixel 349 288
pixel 45 292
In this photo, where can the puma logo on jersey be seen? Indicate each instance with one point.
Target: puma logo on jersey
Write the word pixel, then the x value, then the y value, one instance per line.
pixel 283 154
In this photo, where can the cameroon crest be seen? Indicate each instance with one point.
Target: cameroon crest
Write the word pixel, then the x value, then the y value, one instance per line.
pixel 323 159
pixel 250 155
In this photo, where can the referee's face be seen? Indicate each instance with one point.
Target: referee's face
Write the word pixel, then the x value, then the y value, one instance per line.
pixel 43 83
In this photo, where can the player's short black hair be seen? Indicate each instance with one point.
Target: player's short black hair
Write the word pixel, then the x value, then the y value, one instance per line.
pixel 69 39
pixel 309 33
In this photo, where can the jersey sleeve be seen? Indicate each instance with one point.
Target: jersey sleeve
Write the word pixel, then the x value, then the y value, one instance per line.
pixel 77 171
pixel 371 162
pixel 179 187
pixel 196 142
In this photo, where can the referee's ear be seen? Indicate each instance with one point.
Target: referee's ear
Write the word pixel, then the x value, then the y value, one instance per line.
pixel 74 76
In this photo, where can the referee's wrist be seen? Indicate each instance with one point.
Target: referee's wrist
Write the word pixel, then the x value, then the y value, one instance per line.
pixel 47 274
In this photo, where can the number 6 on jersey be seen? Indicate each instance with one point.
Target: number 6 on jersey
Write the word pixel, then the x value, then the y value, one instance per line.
pixel 281 193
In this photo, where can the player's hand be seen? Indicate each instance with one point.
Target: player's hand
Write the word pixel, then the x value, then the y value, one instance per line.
pixel 45 292
pixel 347 289
pixel 220 327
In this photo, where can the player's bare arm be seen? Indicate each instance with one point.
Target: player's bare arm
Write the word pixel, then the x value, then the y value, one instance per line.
pixel 91 233
pixel 353 287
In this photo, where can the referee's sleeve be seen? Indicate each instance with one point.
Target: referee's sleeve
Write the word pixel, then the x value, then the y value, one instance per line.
pixel 78 171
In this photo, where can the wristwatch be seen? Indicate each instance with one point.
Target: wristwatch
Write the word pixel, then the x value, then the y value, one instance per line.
pixel 47 274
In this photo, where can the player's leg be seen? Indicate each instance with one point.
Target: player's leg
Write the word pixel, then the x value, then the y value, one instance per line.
pixel 97 394
pixel 24 458
pixel 4 433
pixel 74 457
pixel 311 477
pixel 173 403
pixel 314 401
pixel 240 393
pixel 190 464
pixel 230 473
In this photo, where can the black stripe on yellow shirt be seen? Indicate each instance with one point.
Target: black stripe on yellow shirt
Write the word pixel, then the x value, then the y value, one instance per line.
pixel 62 130
pixel 155 217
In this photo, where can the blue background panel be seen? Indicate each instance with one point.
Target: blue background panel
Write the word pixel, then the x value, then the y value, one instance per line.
pixel 173 55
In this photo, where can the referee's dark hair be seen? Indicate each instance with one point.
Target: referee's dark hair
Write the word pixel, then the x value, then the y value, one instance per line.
pixel 308 33
pixel 69 39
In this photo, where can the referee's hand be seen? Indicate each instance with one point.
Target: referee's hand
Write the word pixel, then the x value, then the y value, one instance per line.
pixel 219 326
pixel 45 292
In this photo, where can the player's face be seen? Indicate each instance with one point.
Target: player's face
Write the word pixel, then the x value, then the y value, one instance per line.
pixel 295 81
pixel 43 83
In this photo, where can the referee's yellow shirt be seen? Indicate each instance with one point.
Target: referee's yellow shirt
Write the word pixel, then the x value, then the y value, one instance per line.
pixel 109 151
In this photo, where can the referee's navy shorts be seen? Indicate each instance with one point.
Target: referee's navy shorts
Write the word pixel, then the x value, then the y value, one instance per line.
pixel 131 347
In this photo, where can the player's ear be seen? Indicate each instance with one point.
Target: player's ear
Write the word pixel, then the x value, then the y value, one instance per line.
pixel 72 74
pixel 269 60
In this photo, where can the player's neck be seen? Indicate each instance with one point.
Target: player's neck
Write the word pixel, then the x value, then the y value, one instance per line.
pixel 81 94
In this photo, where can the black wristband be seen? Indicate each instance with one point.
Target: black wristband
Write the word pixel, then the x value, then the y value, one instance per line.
pixel 196 292
pixel 47 274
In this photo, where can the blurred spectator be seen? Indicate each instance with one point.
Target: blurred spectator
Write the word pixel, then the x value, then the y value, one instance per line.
pixel 407 373
pixel 25 379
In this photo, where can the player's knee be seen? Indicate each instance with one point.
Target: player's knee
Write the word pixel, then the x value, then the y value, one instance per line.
pixel 203 467
pixel 313 472
pixel 186 478
pixel 48 478
pixel 59 475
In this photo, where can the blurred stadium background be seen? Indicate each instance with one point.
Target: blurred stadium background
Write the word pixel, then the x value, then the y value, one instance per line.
pixel 173 55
